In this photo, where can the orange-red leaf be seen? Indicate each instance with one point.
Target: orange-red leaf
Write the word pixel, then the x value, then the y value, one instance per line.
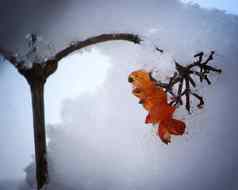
pixel 154 100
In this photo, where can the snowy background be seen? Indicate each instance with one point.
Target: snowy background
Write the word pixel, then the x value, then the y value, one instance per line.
pixel 95 127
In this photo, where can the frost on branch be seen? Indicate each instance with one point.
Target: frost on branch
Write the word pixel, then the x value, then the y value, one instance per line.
pixel 37 51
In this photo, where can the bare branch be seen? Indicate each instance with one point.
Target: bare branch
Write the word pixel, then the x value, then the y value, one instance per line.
pixel 12 58
pixel 159 50
pixel 200 98
pixel 94 40
pixel 9 56
pixel 50 67
pixel 185 74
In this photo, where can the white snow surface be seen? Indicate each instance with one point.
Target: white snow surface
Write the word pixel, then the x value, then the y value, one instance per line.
pixel 102 142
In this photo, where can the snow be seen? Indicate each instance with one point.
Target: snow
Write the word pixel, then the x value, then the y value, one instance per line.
pixel 101 141
pixel 37 51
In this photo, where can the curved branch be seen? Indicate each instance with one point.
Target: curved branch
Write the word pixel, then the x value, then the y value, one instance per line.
pixel 94 40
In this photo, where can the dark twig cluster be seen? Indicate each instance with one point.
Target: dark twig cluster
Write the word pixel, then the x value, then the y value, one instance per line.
pixel 184 78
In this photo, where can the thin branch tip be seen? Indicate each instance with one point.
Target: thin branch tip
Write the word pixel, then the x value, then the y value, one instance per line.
pixel 185 74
